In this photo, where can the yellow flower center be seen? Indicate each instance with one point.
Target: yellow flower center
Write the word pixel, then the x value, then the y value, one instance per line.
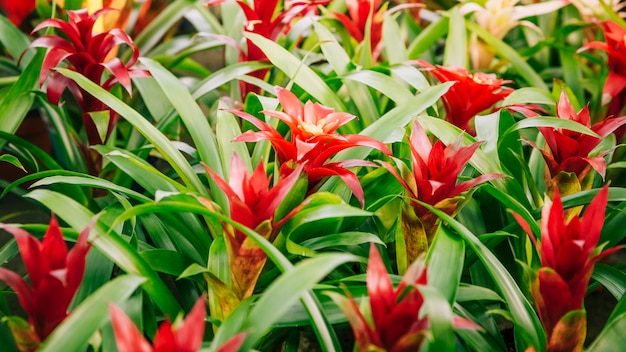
pixel 483 79
pixel 314 129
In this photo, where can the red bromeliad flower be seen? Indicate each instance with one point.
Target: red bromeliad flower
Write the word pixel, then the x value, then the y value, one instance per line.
pixel 433 180
pixel 615 47
pixel 569 151
pixel 313 140
pixel 356 23
pixel 265 18
pixel 568 254
pixel 253 204
pixel 55 276
pixel 183 337
pixel 470 95
pixel 88 53
pixel 397 322
pixel 16 11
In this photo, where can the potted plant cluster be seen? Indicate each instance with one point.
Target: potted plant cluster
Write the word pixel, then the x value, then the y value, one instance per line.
pixel 313 175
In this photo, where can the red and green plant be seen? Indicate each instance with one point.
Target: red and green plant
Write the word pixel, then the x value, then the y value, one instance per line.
pixel 222 160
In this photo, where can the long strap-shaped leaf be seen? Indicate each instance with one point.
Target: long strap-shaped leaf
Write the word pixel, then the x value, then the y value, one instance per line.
pixel 74 333
pixel 340 62
pixel 297 71
pixel 263 319
pixel 16 103
pixel 151 133
pixel 111 244
pixel 505 51
pixel 523 314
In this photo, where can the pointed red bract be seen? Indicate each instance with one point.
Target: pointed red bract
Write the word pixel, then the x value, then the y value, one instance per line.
pixel 16 11
pixel 184 337
pixel 268 19
pixel 435 171
pixel 313 142
pixel 472 93
pixel 253 204
pixel 55 275
pixel 397 322
pixel 89 53
pixel 357 20
pixel 569 151
pixel 614 90
pixel 568 254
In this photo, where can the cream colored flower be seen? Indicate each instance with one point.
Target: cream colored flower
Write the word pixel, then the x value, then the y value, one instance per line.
pixel 498 17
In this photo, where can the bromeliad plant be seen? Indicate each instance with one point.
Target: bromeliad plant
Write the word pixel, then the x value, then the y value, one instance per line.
pixel 432 179
pixel 570 156
pixel 313 141
pixel 568 251
pixel 236 186
pixel 84 50
pixel 256 205
pixel 55 275
pixel 399 320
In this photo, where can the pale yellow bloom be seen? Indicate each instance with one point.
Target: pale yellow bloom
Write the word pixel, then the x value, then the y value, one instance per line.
pixel 592 9
pixel 498 17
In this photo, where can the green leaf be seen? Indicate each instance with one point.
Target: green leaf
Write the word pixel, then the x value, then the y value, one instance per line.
pixel 428 37
pixel 296 70
pixel 109 243
pixel 225 75
pixel 445 263
pixel 159 26
pixel 528 95
pixel 11 159
pixel 455 50
pixel 19 99
pixel 613 279
pixel 395 51
pixel 166 261
pixel 14 41
pixel 190 113
pixel 340 61
pixel 146 175
pixel 281 262
pixel 90 181
pixel 522 313
pixel 151 133
pixel 440 316
pixel 521 66
pixel 383 83
pixel 75 331
pixel 552 122
pixel 469 292
pixel 226 129
pixel 398 117
pixel 285 291
pixel 612 338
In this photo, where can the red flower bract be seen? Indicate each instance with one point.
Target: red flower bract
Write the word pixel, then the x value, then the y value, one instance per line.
pixel 569 151
pixel 55 275
pixel 187 337
pixel 568 253
pixel 265 18
pixel 615 47
pixel 88 53
pixel 313 140
pixel 399 325
pixel 16 11
pixel 435 170
pixel 356 23
pixel 253 204
pixel 470 95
